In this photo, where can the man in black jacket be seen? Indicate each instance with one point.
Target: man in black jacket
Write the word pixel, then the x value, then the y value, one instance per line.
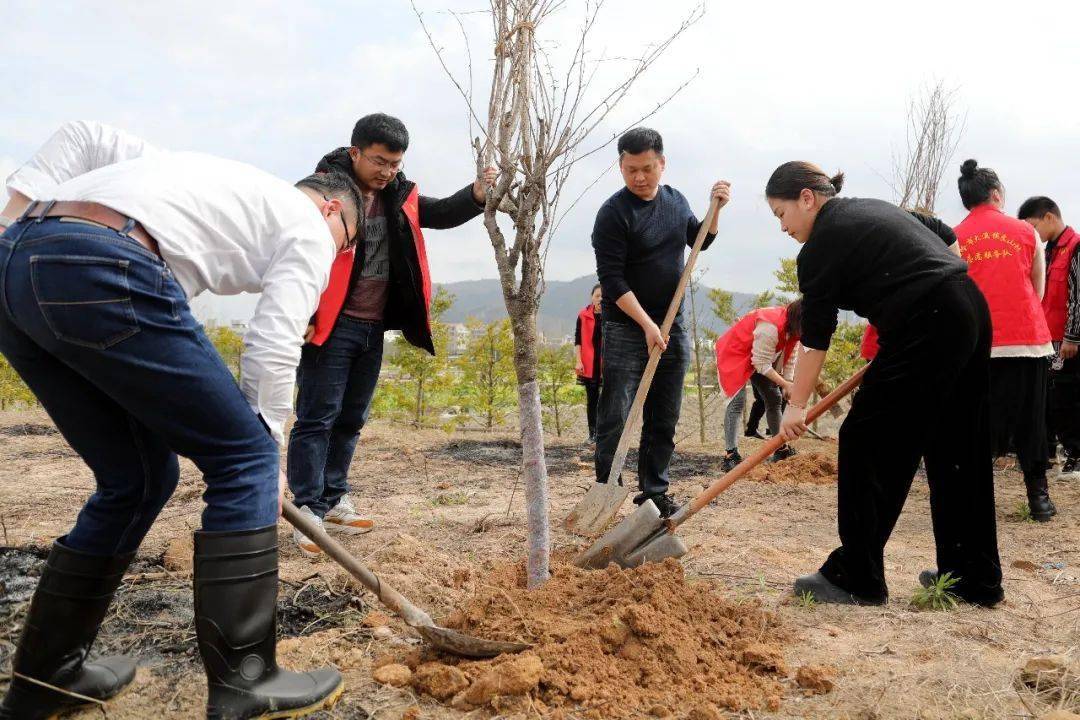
pixel 385 286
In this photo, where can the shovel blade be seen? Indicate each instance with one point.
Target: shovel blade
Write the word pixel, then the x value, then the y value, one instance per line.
pixel 597 509
pixel 623 539
pixel 456 643
pixel 658 548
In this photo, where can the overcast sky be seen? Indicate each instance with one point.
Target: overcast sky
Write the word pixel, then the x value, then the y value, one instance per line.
pixel 277 83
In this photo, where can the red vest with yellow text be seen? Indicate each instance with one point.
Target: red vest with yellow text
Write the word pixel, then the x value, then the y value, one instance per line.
pixel 1055 300
pixel 588 352
pixel 333 298
pixel 734 349
pixel 999 251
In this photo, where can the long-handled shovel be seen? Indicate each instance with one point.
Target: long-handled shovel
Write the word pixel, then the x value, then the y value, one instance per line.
pixel 445 639
pixel 643 536
pixel 595 511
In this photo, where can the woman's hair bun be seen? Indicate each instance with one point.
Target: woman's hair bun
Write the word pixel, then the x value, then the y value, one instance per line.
pixel 837 181
pixel 967 170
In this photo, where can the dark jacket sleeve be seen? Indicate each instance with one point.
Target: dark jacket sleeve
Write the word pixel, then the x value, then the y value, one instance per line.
pixel 1072 305
pixel 451 211
pixel 820 312
pixel 577 331
pixel 940 229
pixel 609 245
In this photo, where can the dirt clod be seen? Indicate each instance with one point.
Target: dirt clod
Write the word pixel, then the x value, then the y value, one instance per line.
pixel 704 711
pixel 514 676
pixel 179 554
pixel 815 679
pixel 411 713
pixel 394 674
pixel 812 468
pixel 440 681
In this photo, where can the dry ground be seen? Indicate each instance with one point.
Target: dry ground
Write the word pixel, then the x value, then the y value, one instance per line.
pixel 448 506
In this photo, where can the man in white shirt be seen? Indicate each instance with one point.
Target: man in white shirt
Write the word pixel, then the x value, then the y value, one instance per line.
pixel 113 239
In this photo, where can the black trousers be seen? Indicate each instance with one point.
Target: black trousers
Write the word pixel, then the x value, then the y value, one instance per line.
pixel 1063 409
pixel 592 397
pixel 757 410
pixel 1018 411
pixel 925 395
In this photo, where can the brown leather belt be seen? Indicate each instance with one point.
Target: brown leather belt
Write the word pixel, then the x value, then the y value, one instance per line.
pixel 95 213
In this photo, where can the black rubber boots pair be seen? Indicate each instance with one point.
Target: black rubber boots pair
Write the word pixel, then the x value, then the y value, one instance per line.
pixel 236 584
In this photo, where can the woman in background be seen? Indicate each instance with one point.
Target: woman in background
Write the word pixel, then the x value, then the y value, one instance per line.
pixel 587 344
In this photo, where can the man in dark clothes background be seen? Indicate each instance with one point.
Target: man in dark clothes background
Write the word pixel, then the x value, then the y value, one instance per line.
pixel 384 285
pixel 640 239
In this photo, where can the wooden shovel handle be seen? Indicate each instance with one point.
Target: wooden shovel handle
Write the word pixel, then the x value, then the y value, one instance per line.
pixel 767 448
pixel 654 355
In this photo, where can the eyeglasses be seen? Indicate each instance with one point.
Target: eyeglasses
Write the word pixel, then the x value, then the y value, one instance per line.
pixel 383 163
pixel 349 239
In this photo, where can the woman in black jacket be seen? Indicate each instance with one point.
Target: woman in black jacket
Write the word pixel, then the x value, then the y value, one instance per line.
pixel 925 395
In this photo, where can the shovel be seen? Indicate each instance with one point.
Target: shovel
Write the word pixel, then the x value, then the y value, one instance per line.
pixel 643 536
pixel 595 511
pixel 444 639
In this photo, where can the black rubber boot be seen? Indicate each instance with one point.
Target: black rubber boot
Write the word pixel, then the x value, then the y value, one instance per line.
pixel 236 583
pixel 1038 493
pixel 69 604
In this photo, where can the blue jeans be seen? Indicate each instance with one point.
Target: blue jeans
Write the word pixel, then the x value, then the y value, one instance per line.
pixel 625 358
pixel 336 384
pixel 101 332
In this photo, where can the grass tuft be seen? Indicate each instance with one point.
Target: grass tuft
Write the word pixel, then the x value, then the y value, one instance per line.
pixel 938 596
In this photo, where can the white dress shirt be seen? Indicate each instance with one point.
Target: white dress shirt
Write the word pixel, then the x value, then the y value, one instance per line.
pixel 221 226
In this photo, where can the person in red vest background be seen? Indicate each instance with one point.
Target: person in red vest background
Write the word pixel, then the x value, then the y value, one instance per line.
pixel 383 285
pixel 1005 261
pixel 759 348
pixel 1061 306
pixel 588 342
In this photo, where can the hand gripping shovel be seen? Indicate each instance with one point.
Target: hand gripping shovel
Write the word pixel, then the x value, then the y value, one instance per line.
pixel 643 536
pixel 595 511
pixel 444 639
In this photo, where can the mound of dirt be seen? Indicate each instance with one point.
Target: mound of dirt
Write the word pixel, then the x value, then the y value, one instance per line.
pixel 607 644
pixel 813 468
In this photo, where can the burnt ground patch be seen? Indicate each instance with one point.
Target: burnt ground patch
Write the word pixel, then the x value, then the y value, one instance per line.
pixel 152 615
pixel 24 429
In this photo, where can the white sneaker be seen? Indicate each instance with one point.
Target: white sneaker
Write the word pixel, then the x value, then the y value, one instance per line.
pixel 307 547
pixel 343 518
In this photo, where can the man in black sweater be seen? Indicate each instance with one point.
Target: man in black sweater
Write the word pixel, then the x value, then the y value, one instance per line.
pixel 640 239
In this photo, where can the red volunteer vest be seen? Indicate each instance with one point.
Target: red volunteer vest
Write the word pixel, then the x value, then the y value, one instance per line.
pixel 999 251
pixel 588 352
pixel 1056 298
pixel 734 364
pixel 869 348
pixel 333 298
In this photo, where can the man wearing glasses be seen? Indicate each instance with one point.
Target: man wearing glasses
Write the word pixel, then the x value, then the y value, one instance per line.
pixel 383 285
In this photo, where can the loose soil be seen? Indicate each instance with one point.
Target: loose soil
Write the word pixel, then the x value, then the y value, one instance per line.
pixel 449 534
pixel 608 643
pixel 812 467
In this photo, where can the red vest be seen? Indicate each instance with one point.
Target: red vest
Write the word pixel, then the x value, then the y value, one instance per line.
pixel 734 364
pixel 588 352
pixel 999 251
pixel 869 348
pixel 1056 298
pixel 333 298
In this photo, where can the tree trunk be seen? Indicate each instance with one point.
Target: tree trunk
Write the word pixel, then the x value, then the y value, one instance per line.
pixel 419 400
pixel 555 403
pixel 534 466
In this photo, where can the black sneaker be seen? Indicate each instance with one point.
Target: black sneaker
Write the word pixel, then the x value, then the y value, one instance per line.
pixel 783 453
pixel 665 504
pixel 753 434
pixel 1070 470
pixel 731 459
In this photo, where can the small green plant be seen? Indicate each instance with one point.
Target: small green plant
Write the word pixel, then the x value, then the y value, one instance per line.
pixel 806 600
pixel 939 596
pixel 449 499
pixel 1023 512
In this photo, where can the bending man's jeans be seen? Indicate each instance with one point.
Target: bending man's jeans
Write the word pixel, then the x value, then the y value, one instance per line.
pixel 625 358
pixel 102 333
pixel 337 382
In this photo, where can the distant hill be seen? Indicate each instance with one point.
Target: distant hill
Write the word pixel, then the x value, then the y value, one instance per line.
pixel 482 299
